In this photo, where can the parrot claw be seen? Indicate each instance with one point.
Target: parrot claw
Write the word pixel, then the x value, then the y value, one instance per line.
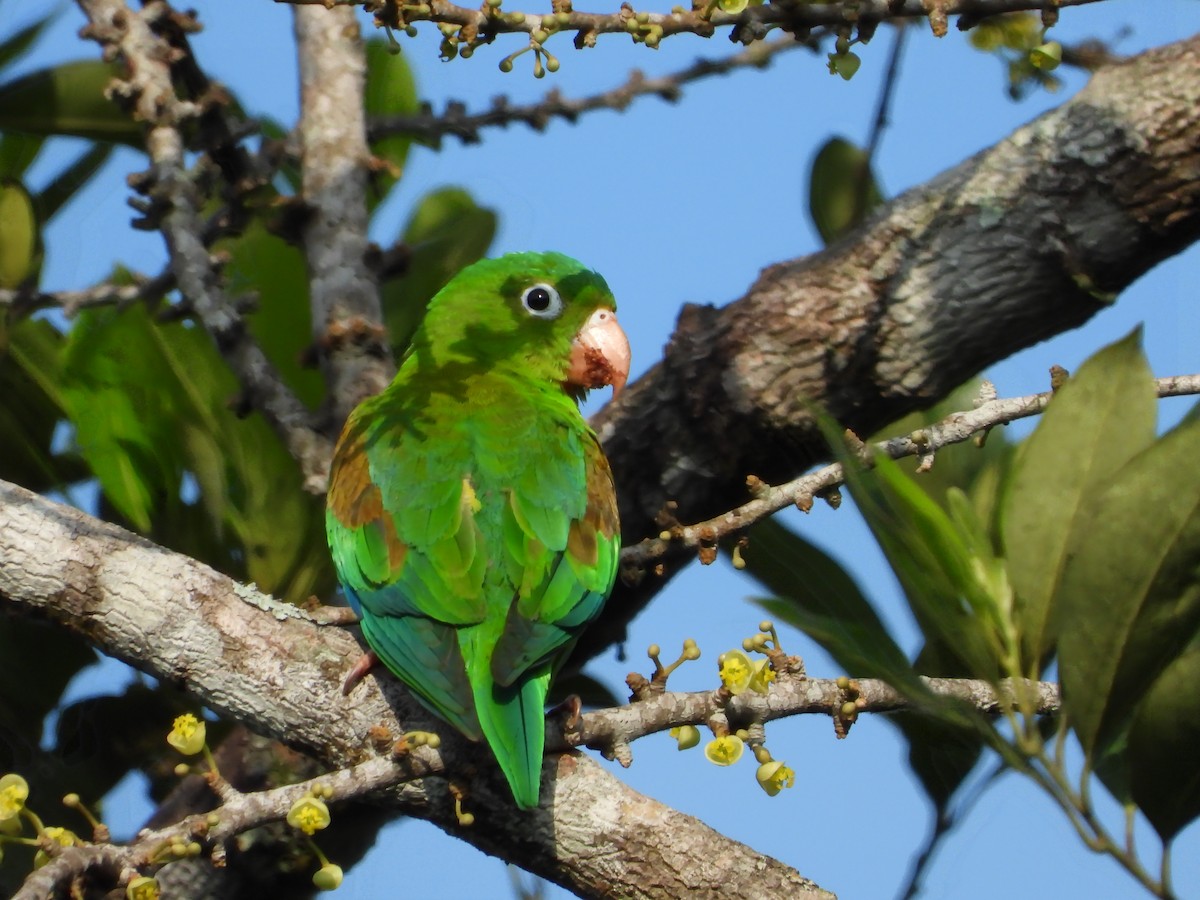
pixel 571 710
pixel 365 664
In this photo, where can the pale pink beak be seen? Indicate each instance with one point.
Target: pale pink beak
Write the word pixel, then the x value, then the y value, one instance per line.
pixel 600 354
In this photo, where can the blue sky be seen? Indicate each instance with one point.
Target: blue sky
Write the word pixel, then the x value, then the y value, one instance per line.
pixel 686 203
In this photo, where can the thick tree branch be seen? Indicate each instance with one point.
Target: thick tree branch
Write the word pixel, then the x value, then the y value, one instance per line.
pixel 248 658
pixel 347 319
pixel 1024 240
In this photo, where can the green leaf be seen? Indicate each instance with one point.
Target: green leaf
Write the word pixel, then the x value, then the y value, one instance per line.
pixel 150 403
pixel 446 233
pixel 842 189
pixel 391 91
pixel 275 272
pixel 1163 763
pixel 17 153
pixel 68 182
pixel 20 253
pixel 1129 599
pixel 67 100
pixel 594 693
pixel 948 586
pixel 13 48
pixel 1096 422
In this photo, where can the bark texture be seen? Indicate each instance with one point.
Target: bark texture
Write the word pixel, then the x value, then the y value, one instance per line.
pixel 1022 241
pixel 261 663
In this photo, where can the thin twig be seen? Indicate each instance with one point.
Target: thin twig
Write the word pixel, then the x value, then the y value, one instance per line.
pixel 954 429
pixel 457 122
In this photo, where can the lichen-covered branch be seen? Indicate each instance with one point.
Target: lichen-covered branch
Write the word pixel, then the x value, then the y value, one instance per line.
pixel 1027 239
pixel 244 657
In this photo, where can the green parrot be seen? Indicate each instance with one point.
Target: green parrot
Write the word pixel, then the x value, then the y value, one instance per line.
pixel 471 512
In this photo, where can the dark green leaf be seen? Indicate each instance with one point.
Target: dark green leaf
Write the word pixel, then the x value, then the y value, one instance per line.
pixel 274 271
pixel 594 693
pixel 446 233
pixel 71 179
pixel 13 48
pixel 1129 599
pixel 67 100
pixel 842 189
pixel 937 563
pixel 1098 420
pixel 17 153
pixel 1163 762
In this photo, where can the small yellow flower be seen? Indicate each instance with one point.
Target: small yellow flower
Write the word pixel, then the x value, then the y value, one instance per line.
pixel 309 814
pixel 142 888
pixel 187 735
pixel 724 751
pixel 774 776
pixel 736 670
pixel 60 836
pixel 14 791
pixel 763 675
pixel 328 877
pixel 688 736
pixel 733 7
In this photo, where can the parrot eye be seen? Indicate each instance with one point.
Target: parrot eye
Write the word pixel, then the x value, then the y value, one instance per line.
pixel 542 301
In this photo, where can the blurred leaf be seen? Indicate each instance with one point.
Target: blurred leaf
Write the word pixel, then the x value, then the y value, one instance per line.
pixel 391 91
pixel 13 48
pixel 67 100
pixel 37 662
pixel 941 754
pixel 446 233
pixel 150 403
pixel 1100 418
pixel 31 408
pixel 842 189
pixel 276 273
pixel 17 153
pixel 65 185
pixel 1163 763
pixel 20 256
pixel 1129 599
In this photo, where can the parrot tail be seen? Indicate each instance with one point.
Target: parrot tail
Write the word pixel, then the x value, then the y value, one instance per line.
pixel 513 720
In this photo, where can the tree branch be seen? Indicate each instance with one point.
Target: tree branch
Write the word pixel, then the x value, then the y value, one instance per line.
pixel 455 121
pixel 347 319
pixel 186 624
pixel 480 25
pixel 1026 239
pixel 954 429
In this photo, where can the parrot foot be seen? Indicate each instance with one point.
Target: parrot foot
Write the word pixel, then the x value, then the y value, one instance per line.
pixel 365 664
pixel 571 711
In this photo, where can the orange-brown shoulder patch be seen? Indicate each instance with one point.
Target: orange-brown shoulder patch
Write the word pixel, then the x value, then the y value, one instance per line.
pixel 356 501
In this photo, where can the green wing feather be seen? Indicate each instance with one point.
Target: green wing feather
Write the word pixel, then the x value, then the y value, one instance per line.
pixel 476 539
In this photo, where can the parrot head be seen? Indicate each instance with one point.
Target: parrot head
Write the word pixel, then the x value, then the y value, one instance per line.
pixel 542 315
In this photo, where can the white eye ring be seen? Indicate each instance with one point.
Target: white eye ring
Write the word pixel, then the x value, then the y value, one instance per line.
pixel 542 301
